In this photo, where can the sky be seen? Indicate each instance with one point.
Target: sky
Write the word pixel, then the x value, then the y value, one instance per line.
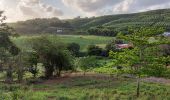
pixel 19 10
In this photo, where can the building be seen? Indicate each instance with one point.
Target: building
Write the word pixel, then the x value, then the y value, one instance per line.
pixel 124 46
pixel 167 34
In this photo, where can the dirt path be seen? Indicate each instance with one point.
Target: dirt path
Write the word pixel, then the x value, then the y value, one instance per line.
pixel 157 80
pixel 70 76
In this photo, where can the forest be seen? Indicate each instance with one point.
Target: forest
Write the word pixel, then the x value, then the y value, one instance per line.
pixel 125 57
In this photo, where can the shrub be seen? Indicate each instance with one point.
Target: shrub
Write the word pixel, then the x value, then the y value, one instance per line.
pixel 94 50
pixel 74 48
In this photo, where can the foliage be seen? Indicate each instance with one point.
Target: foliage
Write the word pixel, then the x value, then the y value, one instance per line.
pixel 140 59
pixel 94 50
pixel 8 50
pixel 74 48
pixel 54 56
pixel 102 31
pixel 33 63
pixel 86 63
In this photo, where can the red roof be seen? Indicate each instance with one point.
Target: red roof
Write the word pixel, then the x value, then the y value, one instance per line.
pixel 123 46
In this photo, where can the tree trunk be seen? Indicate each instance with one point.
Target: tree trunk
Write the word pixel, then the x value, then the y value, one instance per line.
pixel 138 70
pixel 84 73
pixel 35 75
pixel 9 77
pixel 20 75
pixel 58 72
pixel 49 71
pixel 138 87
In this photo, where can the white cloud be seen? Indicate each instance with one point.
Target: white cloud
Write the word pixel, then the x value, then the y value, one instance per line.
pixel 28 9
pixel 122 7
pixel 35 8
pixel 90 7
pixel 100 7
pixel 144 5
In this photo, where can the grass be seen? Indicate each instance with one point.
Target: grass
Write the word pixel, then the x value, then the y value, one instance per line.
pixel 82 40
pixel 91 88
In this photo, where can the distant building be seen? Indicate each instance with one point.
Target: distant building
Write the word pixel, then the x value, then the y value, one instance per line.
pixel 167 34
pixel 124 46
pixel 59 30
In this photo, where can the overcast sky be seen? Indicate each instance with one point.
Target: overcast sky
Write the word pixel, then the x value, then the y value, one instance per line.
pixel 16 10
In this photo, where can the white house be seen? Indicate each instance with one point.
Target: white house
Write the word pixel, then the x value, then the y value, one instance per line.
pixel 166 34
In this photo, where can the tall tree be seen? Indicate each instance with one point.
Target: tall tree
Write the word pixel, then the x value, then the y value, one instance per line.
pixel 8 49
pixel 141 40
pixel 53 56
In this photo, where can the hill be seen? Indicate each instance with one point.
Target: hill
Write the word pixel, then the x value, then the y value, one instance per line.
pixel 38 26
pixel 108 25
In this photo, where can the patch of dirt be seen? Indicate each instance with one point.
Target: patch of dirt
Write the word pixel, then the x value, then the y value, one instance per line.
pixel 56 80
pixel 41 89
pixel 70 76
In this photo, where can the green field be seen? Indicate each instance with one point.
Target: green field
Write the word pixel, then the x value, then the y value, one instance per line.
pixel 91 87
pixel 82 40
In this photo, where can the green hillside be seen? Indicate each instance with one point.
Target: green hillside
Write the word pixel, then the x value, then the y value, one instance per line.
pixel 108 25
pixel 116 23
pixel 38 26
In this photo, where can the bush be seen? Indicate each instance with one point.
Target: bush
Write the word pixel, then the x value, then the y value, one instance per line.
pixel 94 50
pixel 74 48
pixel 155 70
pixel 87 63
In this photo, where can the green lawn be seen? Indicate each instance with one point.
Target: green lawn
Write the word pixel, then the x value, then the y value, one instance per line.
pixel 83 41
pixel 87 88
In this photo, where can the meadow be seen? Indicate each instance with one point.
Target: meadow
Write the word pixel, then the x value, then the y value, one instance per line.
pixel 82 40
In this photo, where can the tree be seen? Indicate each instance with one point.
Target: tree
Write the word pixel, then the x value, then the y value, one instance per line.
pixel 53 56
pixel 8 49
pixel 94 50
pixel 86 63
pixel 136 58
pixel 20 65
pixel 74 48
pixel 33 60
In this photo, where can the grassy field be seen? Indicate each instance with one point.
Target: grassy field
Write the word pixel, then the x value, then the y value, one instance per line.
pixel 91 87
pixel 83 41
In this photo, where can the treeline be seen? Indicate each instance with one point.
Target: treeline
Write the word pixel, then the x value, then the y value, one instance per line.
pixel 39 26
pixel 102 31
pixel 104 25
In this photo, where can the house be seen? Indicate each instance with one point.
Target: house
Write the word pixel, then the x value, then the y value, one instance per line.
pixel 59 30
pixel 167 34
pixel 124 46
